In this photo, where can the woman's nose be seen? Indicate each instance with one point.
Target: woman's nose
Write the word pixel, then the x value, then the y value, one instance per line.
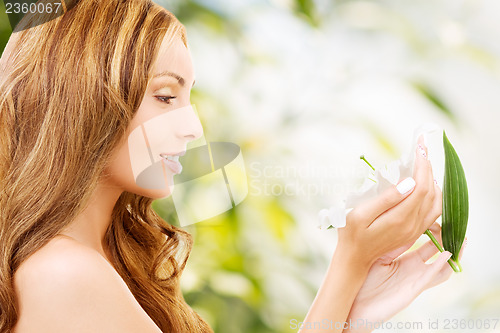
pixel 190 126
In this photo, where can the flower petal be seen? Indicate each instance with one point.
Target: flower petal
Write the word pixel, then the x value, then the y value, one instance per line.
pixel 408 160
pixel 381 179
pixel 367 191
pixel 390 172
pixel 323 219
pixel 335 216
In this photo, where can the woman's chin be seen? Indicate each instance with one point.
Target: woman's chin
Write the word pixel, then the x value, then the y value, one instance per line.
pixel 157 193
pixel 164 193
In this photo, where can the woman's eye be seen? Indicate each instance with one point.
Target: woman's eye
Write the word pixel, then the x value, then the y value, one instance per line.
pixel 165 99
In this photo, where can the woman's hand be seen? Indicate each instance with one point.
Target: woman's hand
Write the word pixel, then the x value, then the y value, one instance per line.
pixel 392 219
pixel 391 285
pixel 373 228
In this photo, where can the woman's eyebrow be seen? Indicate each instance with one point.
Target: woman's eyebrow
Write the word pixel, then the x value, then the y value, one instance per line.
pixel 179 78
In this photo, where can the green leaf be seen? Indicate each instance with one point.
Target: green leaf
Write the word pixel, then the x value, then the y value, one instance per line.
pixel 434 99
pixel 455 201
pixel 307 9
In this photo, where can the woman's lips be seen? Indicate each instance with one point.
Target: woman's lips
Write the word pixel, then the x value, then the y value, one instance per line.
pixel 172 162
pixel 175 166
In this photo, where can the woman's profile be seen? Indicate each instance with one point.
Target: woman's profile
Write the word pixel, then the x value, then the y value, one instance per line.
pixel 82 249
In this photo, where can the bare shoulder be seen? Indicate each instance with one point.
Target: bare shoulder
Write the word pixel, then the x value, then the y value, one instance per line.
pixel 68 287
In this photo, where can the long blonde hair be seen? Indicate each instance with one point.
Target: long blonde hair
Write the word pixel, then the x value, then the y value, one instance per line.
pixel 69 89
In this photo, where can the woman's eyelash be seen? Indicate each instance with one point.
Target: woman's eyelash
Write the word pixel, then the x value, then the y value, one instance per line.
pixel 165 99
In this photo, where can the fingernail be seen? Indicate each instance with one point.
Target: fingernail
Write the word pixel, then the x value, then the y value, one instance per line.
pixel 406 185
pixel 448 255
pixel 421 150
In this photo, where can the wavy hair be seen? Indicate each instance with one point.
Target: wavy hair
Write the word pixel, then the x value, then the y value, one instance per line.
pixel 68 90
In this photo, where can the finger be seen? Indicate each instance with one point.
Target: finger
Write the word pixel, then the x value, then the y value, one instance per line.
pixel 433 273
pixel 421 171
pixel 432 204
pixel 438 202
pixel 446 274
pixel 428 201
pixel 462 249
pixel 389 257
pixel 430 180
pixel 447 271
pixel 464 244
pixel 436 210
pixel 426 251
pixel 412 204
pixel 423 150
pixel 429 209
pixel 421 175
pixel 375 207
pixel 435 229
pixel 422 145
pixel 443 275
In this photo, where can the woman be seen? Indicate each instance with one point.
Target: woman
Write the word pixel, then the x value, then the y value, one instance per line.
pixel 82 249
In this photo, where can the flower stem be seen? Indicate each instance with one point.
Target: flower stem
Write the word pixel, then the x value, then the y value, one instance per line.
pixel 362 157
pixel 440 248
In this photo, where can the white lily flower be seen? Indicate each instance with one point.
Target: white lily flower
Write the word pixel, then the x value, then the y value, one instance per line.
pixel 379 180
pixel 334 217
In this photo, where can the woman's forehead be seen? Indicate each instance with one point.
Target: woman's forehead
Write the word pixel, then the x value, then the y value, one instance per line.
pixel 175 57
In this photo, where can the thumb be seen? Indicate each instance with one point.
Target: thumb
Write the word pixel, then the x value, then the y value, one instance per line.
pixel 386 200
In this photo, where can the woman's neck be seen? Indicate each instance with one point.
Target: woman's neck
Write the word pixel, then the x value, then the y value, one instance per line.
pixel 90 226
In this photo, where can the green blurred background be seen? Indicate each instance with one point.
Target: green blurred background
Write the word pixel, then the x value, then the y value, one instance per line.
pixel 305 87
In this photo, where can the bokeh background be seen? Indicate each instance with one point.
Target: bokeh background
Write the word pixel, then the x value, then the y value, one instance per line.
pixel 305 87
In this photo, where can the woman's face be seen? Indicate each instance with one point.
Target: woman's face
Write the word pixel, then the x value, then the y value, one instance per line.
pixel 145 164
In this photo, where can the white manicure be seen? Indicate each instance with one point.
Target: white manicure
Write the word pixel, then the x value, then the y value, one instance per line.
pixel 406 185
